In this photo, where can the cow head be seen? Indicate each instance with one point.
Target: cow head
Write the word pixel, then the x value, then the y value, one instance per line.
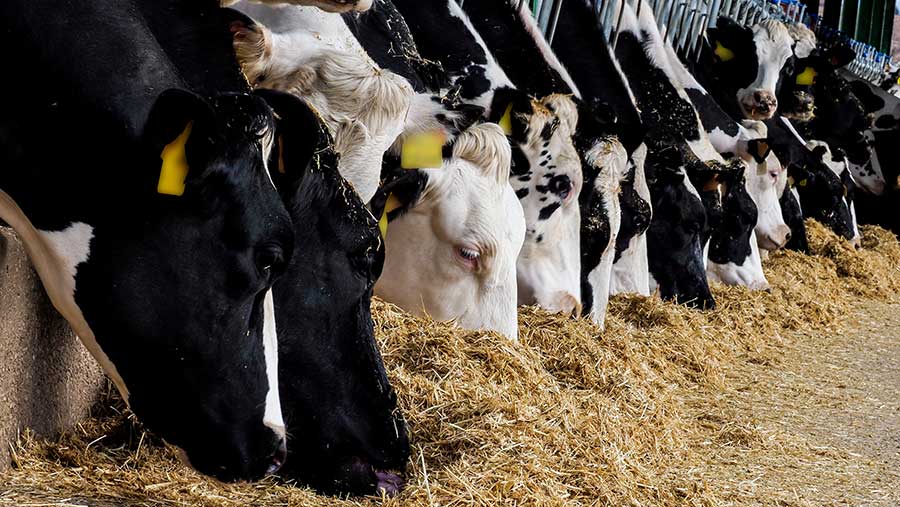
pixel 765 181
pixel 166 278
pixel 748 61
pixel 821 191
pixel 346 433
pixel 675 249
pixel 366 107
pixel 733 256
pixel 454 234
pixel 546 176
pixel 605 166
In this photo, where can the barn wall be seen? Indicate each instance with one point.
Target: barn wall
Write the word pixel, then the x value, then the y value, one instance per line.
pixel 48 381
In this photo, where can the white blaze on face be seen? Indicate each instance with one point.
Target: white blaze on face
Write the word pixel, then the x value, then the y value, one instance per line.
pixel 612 160
pixel 56 256
pixel 452 255
pixel 272 416
pixel 765 184
pixel 773 48
pixel 631 273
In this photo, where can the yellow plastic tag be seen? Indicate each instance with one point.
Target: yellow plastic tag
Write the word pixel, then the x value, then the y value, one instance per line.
pixel 421 151
pixel 391 204
pixel 898 80
pixel 174 165
pixel 807 77
pixel 723 53
pixel 790 181
pixel 802 182
pixel 506 120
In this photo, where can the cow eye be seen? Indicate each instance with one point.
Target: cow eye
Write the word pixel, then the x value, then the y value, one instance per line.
pixel 270 261
pixel 560 185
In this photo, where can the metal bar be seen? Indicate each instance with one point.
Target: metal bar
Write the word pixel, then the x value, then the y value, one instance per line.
pixel 618 24
pixel 554 19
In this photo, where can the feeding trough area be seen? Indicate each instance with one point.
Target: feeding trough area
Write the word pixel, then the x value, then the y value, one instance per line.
pixel 396 252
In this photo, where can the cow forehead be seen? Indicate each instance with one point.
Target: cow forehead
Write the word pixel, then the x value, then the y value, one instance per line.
pixel 773 42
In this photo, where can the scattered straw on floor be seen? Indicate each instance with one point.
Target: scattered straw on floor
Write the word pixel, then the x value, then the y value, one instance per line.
pixel 569 416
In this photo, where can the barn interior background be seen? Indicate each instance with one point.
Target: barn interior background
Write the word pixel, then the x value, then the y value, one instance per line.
pixel 571 416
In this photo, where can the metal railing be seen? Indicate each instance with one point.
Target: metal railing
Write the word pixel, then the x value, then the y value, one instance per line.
pixel 683 23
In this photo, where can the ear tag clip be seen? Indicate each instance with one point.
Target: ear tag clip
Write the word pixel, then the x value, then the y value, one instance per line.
pixel 723 53
pixel 174 165
pixel 807 77
pixel 506 120
pixel 423 151
pixel 391 204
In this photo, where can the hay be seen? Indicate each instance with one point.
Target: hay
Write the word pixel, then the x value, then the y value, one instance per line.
pixel 570 416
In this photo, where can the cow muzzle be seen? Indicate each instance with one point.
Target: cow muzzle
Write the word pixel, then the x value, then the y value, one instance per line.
pixel 759 105
pixel 562 302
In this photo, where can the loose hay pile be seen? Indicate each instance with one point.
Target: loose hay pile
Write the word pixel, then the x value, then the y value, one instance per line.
pixel 570 416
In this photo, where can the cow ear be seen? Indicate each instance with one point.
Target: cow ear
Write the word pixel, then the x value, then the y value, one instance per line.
pixel 508 109
pixel 400 190
pixel 298 133
pixel 759 149
pixel 820 151
pixel 176 117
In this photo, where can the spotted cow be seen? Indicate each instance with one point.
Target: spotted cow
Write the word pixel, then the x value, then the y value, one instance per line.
pixel 153 222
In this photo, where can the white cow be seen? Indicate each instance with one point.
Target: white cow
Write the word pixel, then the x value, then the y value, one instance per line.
pixel 452 254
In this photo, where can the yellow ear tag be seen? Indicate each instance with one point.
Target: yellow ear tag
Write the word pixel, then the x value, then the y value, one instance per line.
pixel 723 53
pixel 421 151
pixel 391 204
pixel 898 80
pixel 802 182
pixel 790 181
pixel 174 165
pixel 506 121
pixel 807 77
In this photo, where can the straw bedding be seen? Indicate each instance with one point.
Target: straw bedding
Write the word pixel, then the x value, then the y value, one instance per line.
pixel 569 416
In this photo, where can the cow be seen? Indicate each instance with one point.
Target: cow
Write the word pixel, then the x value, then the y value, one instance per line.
pixel 546 172
pixel 839 119
pixel 454 234
pixel 658 83
pixel 607 219
pixel 581 48
pixel 741 66
pixel 336 6
pixel 151 220
pixel 469 266
pixel 510 34
pixel 346 434
pixel 817 186
pixel 313 55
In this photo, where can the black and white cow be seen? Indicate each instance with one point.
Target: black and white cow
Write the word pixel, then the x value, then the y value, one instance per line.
pixel 595 71
pixel 741 66
pixel 134 169
pixel 454 232
pixel 667 110
pixel 839 117
pixel 546 171
pixel 817 181
pixel 346 434
pixel 512 36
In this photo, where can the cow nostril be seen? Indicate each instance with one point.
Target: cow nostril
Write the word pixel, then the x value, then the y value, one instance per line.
pixel 278 459
pixel 787 237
